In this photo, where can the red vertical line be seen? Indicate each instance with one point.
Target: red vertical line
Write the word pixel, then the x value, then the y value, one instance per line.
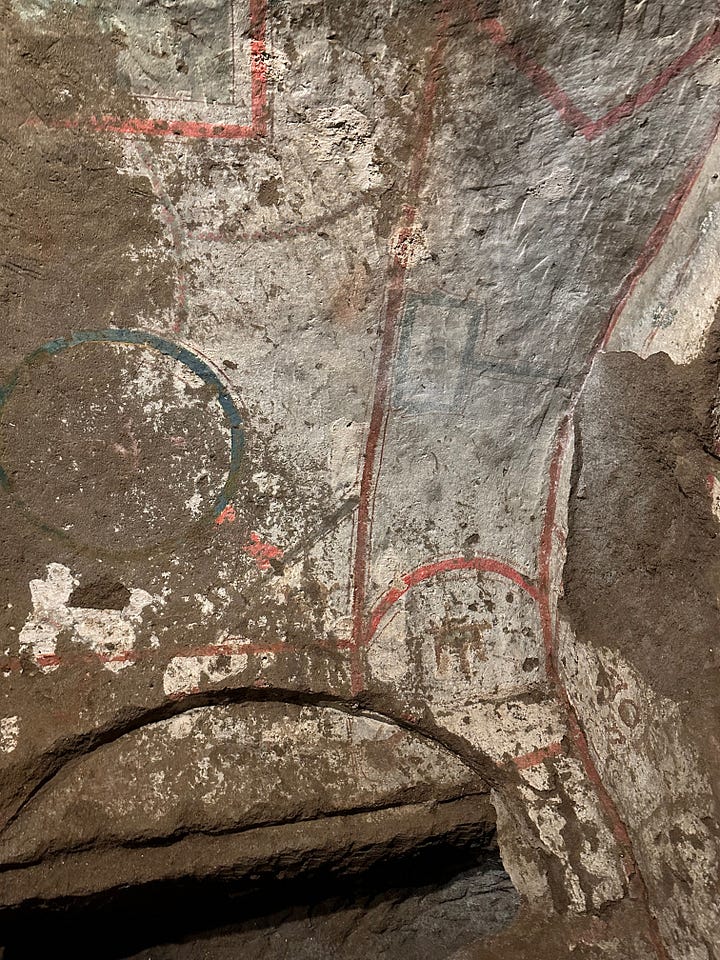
pixel 394 300
pixel 659 235
pixel 651 249
pixel 232 50
pixel 636 881
pixel 258 67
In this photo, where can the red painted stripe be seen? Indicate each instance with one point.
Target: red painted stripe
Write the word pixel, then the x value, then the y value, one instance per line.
pixel 394 301
pixel 539 76
pixel 655 86
pixel 659 235
pixel 147 127
pixel 258 69
pixel 549 88
pixel 636 881
pixel 536 757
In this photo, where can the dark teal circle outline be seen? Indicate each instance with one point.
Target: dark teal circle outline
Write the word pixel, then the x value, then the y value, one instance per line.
pixel 169 349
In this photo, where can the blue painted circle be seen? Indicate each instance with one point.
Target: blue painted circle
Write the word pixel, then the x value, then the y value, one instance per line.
pixel 169 349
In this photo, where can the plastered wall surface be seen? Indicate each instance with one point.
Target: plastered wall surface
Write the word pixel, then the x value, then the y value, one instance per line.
pixel 359 449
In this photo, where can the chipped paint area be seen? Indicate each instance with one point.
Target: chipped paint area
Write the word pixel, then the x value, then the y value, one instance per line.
pixel 108 634
pixel 187 674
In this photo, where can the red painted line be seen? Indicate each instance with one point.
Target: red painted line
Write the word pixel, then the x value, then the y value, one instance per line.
pixel 429 570
pixel 258 68
pixel 536 757
pixel 86 658
pixel 539 76
pixel 549 88
pixel 48 660
pixel 549 525
pixel 659 235
pixel 229 648
pixel 149 127
pixel 651 249
pixel 655 86
pixel 394 301
pixel 577 736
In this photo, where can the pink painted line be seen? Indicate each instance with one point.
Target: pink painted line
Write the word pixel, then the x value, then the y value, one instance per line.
pixel 550 89
pixel 394 301
pixel 149 127
pixel 536 757
pixel 636 881
pixel 539 76
pixel 549 525
pixel 230 647
pixel 48 660
pixel 659 235
pixel 258 68
pixel 655 86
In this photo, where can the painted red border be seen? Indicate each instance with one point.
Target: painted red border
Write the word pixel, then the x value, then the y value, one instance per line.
pixel 149 127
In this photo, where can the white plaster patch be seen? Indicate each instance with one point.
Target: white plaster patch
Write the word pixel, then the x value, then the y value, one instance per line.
pixel 9 732
pixel 505 730
pixel 188 674
pixel 388 656
pixel 110 634
pixel 714 488
pixel 474 636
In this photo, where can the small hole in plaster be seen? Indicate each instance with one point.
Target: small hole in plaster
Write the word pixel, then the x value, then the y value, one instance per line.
pixel 102 594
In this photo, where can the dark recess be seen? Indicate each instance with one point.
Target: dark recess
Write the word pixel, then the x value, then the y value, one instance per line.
pixel 123 922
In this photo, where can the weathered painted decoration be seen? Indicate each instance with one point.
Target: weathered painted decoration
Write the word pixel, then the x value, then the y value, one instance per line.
pixel 330 379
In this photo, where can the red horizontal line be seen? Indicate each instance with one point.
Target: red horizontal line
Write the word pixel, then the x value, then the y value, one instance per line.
pixel 536 757
pixel 146 126
pixel 197 130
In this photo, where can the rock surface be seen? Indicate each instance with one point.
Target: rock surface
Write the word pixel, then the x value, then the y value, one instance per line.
pixel 359 479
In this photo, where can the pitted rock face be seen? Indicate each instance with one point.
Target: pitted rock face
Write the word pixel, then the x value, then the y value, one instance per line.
pixel 216 770
pixel 115 445
pixel 331 503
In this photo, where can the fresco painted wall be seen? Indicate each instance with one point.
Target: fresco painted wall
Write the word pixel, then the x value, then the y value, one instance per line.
pixel 359 403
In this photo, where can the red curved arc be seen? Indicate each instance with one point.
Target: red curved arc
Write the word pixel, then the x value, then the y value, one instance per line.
pixel 429 570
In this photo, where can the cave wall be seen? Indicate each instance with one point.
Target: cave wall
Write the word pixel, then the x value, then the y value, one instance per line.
pixel 359 449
